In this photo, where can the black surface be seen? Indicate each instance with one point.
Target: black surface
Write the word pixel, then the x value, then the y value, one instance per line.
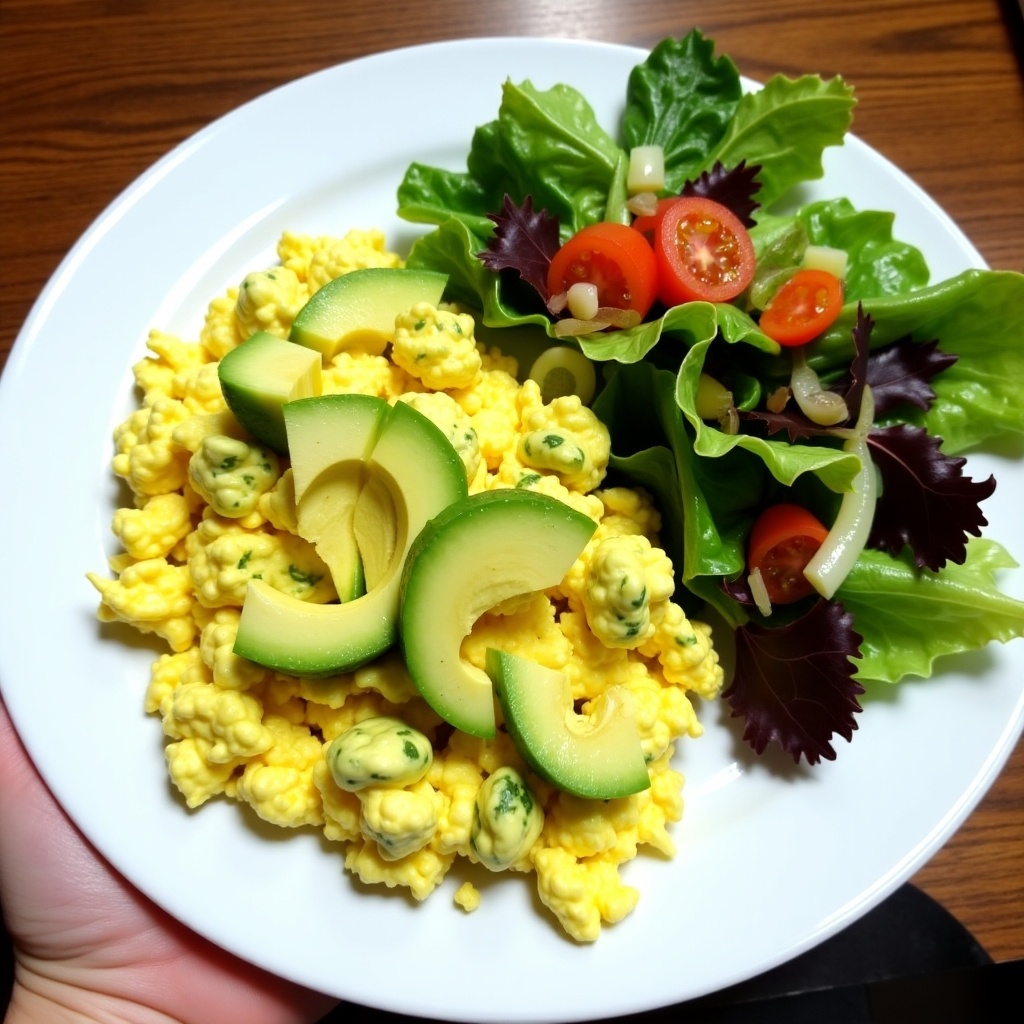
pixel 906 961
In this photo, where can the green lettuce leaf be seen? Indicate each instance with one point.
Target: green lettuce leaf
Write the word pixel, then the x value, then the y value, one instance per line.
pixel 430 195
pixel 653 449
pixel 690 323
pixel 877 263
pixel 784 460
pixel 784 128
pixel 549 145
pixel 681 98
pixel 909 618
pixel 546 144
pixel 978 315
pixel 720 480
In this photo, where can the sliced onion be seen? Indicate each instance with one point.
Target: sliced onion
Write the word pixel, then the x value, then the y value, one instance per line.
pixel 557 303
pixel 846 539
pixel 759 592
pixel 729 422
pixel 643 204
pixel 778 399
pixel 823 407
pixel 607 316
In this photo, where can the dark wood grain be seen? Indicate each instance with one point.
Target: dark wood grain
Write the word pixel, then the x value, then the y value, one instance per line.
pixel 91 93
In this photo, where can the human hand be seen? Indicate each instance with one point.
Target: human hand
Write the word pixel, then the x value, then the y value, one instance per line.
pixel 88 946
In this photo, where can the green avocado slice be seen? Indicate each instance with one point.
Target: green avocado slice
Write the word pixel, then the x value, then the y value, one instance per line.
pixel 326 518
pixel 597 755
pixel 331 438
pixel 422 473
pixel 259 376
pixel 476 553
pixel 359 308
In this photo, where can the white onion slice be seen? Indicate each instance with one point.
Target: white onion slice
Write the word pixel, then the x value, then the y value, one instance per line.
pixel 643 204
pixel 607 316
pixel 846 539
pixel 759 592
pixel 825 408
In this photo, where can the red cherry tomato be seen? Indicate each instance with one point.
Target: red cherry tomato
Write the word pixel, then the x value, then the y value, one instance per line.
pixel 784 539
pixel 703 250
pixel 803 307
pixel 615 258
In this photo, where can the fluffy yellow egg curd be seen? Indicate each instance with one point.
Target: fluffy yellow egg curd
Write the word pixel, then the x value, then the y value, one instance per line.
pixel 213 509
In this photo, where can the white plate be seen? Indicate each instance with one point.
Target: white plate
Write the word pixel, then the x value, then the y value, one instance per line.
pixel 771 861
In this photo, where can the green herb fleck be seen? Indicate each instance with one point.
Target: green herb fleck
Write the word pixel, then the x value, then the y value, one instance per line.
pixel 308 578
pixel 510 796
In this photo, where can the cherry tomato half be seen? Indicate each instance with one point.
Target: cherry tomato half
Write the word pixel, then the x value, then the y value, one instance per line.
pixel 703 250
pixel 784 539
pixel 803 307
pixel 615 258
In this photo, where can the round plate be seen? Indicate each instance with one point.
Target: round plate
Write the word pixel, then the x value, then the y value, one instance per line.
pixel 772 858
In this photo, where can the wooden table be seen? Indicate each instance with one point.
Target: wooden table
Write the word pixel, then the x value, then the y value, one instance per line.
pixel 93 91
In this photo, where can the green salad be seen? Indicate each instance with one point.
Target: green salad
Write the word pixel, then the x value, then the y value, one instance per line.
pixel 703 400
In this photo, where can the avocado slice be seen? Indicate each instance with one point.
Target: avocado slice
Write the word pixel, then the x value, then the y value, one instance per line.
pixel 597 755
pixel 330 430
pixel 375 528
pixel 259 376
pixel 331 438
pixel 358 309
pixel 326 518
pixel 487 548
pixel 422 473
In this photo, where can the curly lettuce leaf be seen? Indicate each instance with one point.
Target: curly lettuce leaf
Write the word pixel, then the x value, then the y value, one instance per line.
pixel 681 98
pixel 452 248
pixel 877 263
pixel 524 240
pixel 785 461
pixel 911 617
pixel 977 315
pixel 733 187
pixel 547 144
pixel 431 195
pixel 544 143
pixel 785 127
pixel 927 501
pixel 652 446
pixel 901 375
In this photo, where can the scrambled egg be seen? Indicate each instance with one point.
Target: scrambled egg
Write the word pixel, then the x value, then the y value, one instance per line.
pixel 360 755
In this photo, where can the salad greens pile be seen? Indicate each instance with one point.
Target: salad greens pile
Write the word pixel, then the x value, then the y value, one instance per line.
pixel 943 362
